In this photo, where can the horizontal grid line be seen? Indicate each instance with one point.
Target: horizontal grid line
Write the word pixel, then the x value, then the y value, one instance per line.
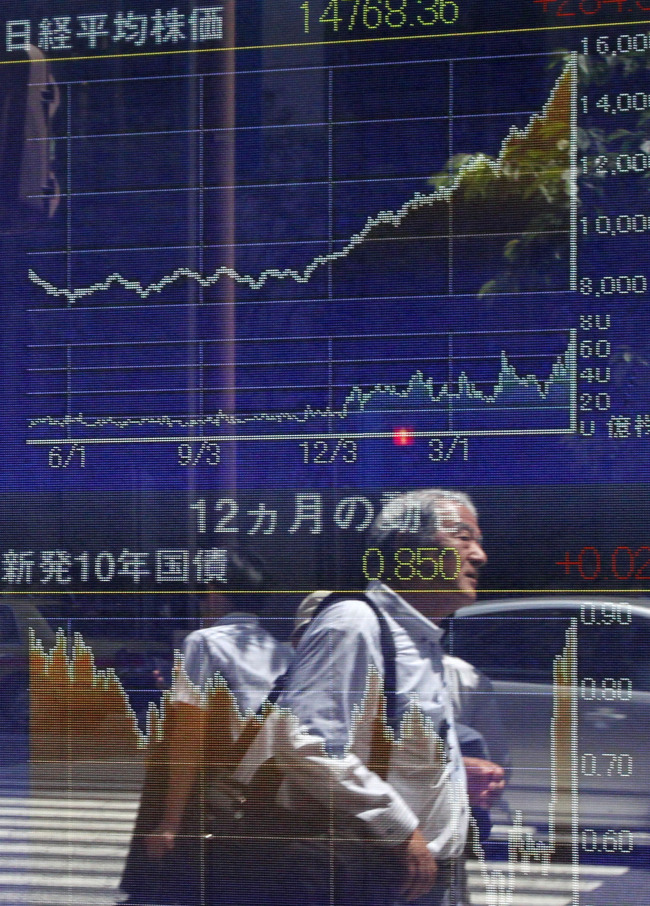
pixel 334 435
pixel 392 335
pixel 297 242
pixel 306 68
pixel 316 124
pixel 374 299
pixel 588 593
pixel 189 366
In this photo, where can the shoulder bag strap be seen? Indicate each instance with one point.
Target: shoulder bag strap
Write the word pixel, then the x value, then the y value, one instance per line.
pixel 388 651
pixel 381 740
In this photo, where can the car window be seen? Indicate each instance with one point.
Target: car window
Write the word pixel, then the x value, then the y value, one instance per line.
pixel 520 646
pixel 8 629
pixel 513 645
pixel 616 652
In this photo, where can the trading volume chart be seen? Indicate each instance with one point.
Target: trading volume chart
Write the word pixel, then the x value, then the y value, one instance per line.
pixel 343 390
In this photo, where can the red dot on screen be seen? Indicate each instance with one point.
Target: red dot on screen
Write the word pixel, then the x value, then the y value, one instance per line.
pixel 403 437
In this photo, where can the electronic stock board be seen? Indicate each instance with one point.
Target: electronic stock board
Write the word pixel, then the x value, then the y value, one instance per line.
pixel 266 264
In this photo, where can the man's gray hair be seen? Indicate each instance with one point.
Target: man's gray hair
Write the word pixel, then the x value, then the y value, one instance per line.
pixel 416 514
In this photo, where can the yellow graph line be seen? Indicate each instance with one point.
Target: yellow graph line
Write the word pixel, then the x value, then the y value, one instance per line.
pixel 523 848
pixel 61 675
pixel 458 34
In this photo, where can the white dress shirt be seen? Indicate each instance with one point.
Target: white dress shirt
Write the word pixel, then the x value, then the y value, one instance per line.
pixel 238 649
pixel 322 734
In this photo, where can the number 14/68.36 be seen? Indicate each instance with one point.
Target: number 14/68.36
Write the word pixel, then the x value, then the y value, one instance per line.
pixel 350 15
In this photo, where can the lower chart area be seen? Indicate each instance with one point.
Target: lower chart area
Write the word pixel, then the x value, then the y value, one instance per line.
pixel 104 730
pixel 483 383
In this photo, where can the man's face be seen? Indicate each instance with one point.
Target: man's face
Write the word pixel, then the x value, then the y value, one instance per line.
pixel 451 565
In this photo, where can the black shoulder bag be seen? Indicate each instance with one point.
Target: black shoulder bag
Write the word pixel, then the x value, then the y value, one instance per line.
pixel 261 854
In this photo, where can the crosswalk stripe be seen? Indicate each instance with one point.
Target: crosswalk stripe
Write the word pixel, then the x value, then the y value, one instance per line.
pixel 30 832
pixel 59 850
pixel 64 812
pixel 47 896
pixel 543 883
pixel 56 879
pixel 67 802
pixel 520 899
pixel 555 868
pixel 502 884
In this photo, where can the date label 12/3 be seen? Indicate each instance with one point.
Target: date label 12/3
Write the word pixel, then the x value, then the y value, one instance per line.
pixel 345 450
pixel 325 452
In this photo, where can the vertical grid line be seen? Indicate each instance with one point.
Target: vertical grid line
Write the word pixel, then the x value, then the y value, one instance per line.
pixel 573 180
pixel 68 213
pixel 200 402
pixel 572 363
pixel 68 388
pixel 450 375
pixel 330 178
pixel 201 175
pixel 450 155
pixel 575 802
pixel 330 381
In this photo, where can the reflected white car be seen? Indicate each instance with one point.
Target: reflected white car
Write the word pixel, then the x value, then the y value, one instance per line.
pixel 579 739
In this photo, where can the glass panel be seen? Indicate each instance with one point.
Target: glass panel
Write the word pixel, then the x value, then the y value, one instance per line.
pixel 266 268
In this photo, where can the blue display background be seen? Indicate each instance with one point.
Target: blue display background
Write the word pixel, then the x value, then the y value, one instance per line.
pixel 413 357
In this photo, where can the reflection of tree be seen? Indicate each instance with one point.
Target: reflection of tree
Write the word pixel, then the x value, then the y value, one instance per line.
pixel 624 72
pixel 613 73
pixel 528 186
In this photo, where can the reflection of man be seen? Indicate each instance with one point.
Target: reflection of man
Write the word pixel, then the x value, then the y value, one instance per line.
pixel 428 545
pixel 479 728
pixel 237 648
pixel 481 736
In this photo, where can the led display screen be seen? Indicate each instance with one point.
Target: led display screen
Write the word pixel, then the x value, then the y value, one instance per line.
pixel 267 267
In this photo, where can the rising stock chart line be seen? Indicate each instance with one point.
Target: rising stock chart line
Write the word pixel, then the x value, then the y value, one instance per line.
pixel 363 213
pixel 513 150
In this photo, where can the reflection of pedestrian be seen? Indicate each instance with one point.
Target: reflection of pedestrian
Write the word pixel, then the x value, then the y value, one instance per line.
pixel 480 730
pixel 481 736
pixel 235 648
pixel 430 544
pixel 475 705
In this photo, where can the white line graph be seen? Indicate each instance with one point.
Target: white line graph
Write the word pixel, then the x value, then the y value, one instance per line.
pixel 560 103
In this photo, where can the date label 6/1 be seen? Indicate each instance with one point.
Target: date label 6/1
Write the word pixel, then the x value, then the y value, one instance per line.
pixel 66 457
